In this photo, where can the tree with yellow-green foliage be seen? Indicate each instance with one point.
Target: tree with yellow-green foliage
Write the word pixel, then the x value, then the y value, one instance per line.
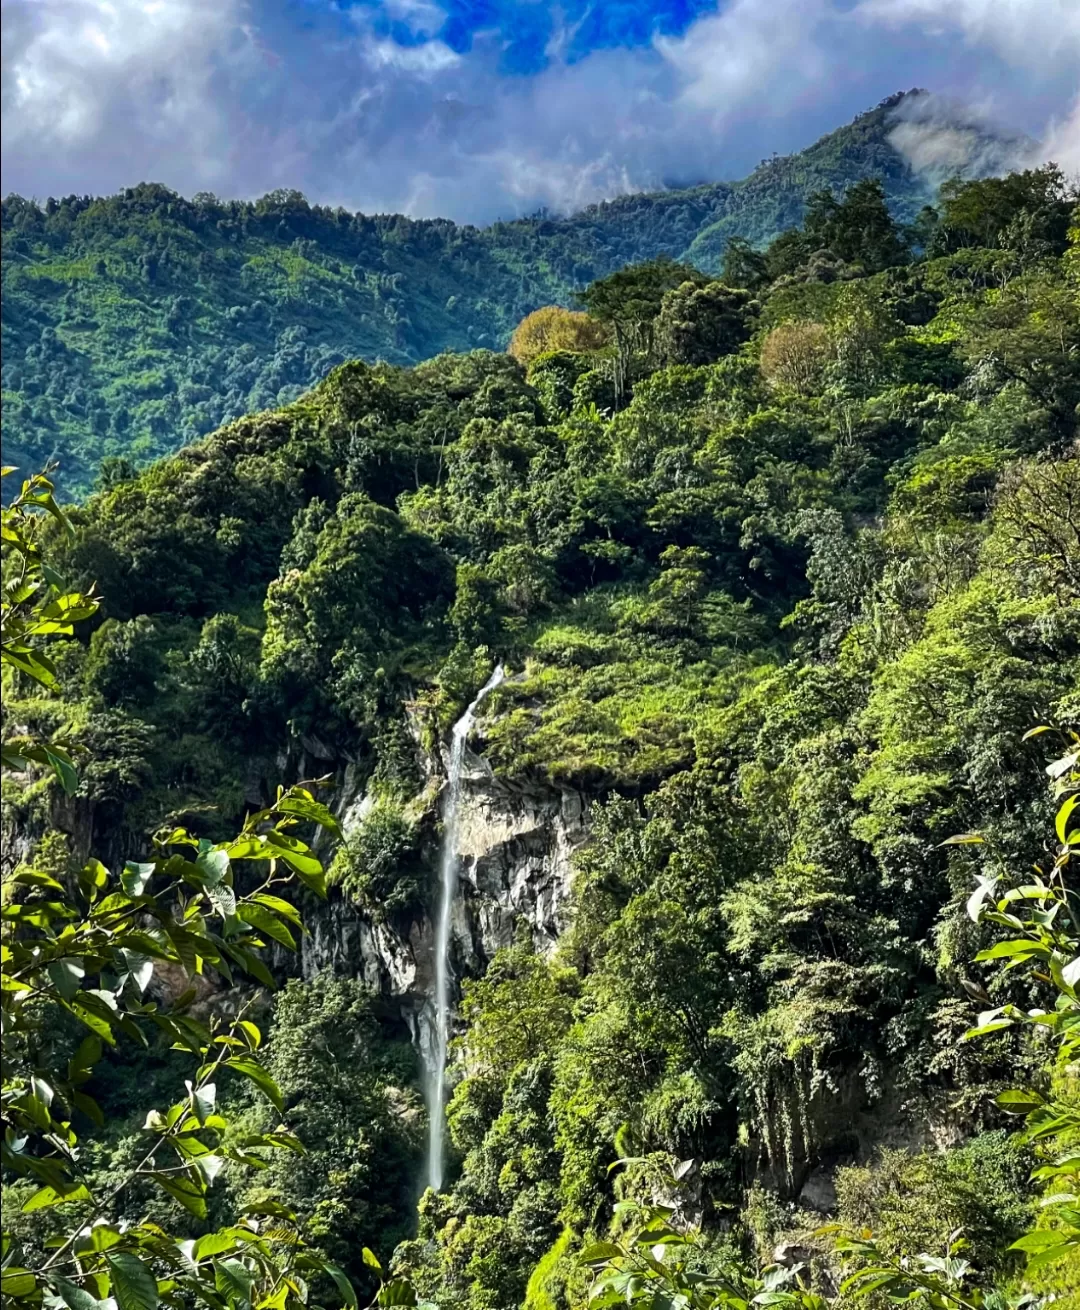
pixel 794 356
pixel 555 328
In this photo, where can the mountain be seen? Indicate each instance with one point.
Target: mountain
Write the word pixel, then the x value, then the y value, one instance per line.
pixel 136 323
pixel 773 634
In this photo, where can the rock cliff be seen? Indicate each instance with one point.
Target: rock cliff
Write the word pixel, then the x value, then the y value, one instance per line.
pixel 516 840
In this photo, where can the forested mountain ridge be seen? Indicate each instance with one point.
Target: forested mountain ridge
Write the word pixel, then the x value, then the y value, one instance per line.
pixel 782 570
pixel 134 324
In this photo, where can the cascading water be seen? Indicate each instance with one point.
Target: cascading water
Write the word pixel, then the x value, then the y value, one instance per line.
pixel 448 880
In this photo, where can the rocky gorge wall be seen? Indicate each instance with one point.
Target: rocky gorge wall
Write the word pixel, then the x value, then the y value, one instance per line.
pixel 516 841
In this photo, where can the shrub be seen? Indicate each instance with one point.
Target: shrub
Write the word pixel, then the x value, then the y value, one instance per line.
pixel 914 1202
pixel 699 325
pixel 555 328
pixel 379 864
pixel 794 356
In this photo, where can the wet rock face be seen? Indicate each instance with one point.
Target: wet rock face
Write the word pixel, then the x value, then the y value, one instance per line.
pixel 515 840
pixel 342 939
pixel 516 844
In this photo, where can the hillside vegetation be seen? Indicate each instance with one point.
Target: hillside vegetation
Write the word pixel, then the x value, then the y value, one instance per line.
pixel 135 324
pixel 782 571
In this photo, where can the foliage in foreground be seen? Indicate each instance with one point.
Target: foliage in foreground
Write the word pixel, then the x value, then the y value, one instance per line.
pixel 141 957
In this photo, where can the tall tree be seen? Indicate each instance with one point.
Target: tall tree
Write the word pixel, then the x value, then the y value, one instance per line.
pixel 629 301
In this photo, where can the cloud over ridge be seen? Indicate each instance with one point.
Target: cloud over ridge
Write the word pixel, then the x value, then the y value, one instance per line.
pixel 401 105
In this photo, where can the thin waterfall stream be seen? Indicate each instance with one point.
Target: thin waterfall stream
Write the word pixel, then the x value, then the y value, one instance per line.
pixel 449 866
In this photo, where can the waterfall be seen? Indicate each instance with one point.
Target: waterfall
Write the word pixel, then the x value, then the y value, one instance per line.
pixel 448 879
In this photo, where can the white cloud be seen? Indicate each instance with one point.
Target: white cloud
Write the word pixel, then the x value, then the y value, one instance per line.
pixel 220 94
pixel 429 58
pixel 726 58
pixel 67 58
pixel 111 77
pixel 1062 141
pixel 940 137
pixel 1028 33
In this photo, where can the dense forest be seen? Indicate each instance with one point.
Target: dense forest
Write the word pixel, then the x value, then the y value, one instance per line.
pixel 783 567
pixel 135 324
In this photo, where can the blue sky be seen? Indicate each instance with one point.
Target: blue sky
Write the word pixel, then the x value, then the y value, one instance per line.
pixel 528 30
pixel 479 109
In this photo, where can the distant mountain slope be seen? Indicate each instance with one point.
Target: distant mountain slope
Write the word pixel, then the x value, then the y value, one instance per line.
pixel 136 323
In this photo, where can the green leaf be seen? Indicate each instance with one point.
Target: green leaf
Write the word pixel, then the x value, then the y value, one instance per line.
pixel 1019 1102
pixel 600 1252
pixel 203 1100
pixel 273 1208
pixel 1061 824
pixel 294 853
pixel 261 918
pixel 35 665
pixel 279 907
pixel 1037 1240
pixel 35 878
pixel 1050 1255
pixel 74 1297
pixel 371 1260
pixel 209 1166
pixel 17 1282
pixel 276 1299
pixel 258 1075
pixel 103 1236
pixel 250 848
pixel 215 1244
pixel 136 876
pixel 223 900
pixel 45 1197
pixel 213 865
pixel 54 579
pixel 1057 972
pixel 1062 766
pixel 315 882
pixel 249 961
pixel 66 976
pixel 190 1192
pixel 185 944
pixel 63 767
pixel 252 1035
pixel 93 1021
pixel 1017 947
pixel 285 1140
pixel 872 1282
pixel 93 878
pixel 308 808
pixel 399 1291
pixel 133 1285
pixel 139 967
pixel 342 1283
pixel 84 1059
pixel 89 1107
pixel 979 896
pixel 233 1279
